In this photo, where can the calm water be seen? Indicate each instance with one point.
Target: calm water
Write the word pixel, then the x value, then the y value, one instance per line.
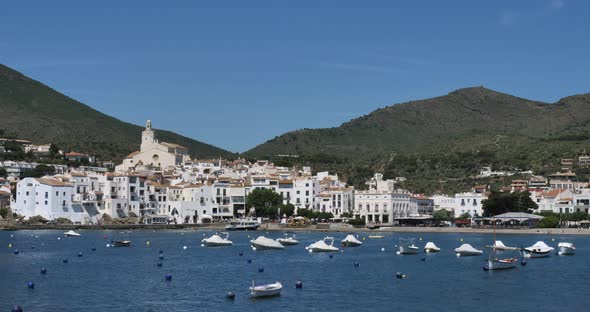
pixel 128 279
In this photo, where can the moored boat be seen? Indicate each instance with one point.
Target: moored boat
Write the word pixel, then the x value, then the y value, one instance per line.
pixel 267 290
pixel 120 243
pixel 467 250
pixel 431 247
pixel 407 247
pixel 499 246
pixel 566 249
pixel 500 264
pixel 71 233
pixel 376 236
pixel 288 241
pixel 350 241
pixel 217 241
pixel 243 225
pixel 538 250
pixel 263 243
pixel 325 245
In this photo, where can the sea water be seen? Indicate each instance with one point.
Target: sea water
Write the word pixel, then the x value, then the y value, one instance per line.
pixel 128 278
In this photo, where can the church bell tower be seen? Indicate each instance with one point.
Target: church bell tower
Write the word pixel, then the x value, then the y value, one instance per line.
pixel 147 136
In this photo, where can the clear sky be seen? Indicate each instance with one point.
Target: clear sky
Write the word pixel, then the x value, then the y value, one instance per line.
pixel 237 73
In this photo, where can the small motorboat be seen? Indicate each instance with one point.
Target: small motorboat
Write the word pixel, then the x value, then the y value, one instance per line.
pixel 467 250
pixel 566 249
pixel 288 241
pixel 325 245
pixel 217 241
pixel 376 236
pixel 263 243
pixel 407 247
pixel 120 243
pixel 498 245
pixel 72 233
pixel 267 290
pixel 372 226
pixel 243 225
pixel 538 250
pixel 500 264
pixel 431 247
pixel 351 241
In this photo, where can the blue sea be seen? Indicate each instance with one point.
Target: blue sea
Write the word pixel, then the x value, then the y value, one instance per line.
pixel 128 279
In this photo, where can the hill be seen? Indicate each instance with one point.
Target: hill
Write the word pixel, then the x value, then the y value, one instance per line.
pixel 34 111
pixel 446 138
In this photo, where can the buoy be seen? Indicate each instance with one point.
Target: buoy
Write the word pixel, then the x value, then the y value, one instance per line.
pixel 161 257
pixel 310 251
pixel 356 264
pixel 523 262
pixel 559 253
pixel 230 295
pixel 364 238
pixel 31 285
pixel 32 247
pixel 16 308
pixel 159 263
pixel 298 284
pixel 9 245
pixel 400 275
pixel 423 259
pixel 108 245
pixel 553 239
pixel 253 248
pixel 241 253
pixel 169 276
pixel 260 270
pixel 43 271
pixel 461 239
pixel 184 247
pixel 427 250
pixel 382 249
pixel 16 251
pixel 202 245
pixel 65 260
pixel 248 236
pixel 93 249
pixel 161 252
pixel 59 238
pixel 249 260
pixel 79 254
pixel 147 243
pixel 397 253
pixel 420 238
pixel 330 256
pixel 458 255
pixel 486 268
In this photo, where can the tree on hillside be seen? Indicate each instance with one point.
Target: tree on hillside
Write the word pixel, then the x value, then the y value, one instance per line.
pixel 265 202
pixel 502 202
pixel 53 150
pixel 3 173
pixel 441 215
pixel 39 171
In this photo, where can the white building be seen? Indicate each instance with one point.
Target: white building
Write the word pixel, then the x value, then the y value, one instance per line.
pixel 461 203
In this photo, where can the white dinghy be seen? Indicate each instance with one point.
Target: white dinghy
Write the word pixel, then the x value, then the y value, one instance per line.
pixel 431 247
pixel 263 243
pixel 351 241
pixel 267 290
pixel 288 241
pixel 71 233
pixel 566 249
pixel 538 250
pixel 467 250
pixel 325 245
pixel 217 241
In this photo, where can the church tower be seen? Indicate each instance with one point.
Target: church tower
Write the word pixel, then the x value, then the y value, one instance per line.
pixel 148 137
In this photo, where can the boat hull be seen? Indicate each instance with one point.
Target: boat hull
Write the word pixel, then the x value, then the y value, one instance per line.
pixel 431 250
pixel 242 227
pixel 468 253
pixel 217 244
pixel 287 242
pixel 351 244
pixel 406 250
pixel 270 290
pixel 537 254
pixel 500 264
pixel 266 247
pixel 566 251
pixel 317 249
pixel 121 243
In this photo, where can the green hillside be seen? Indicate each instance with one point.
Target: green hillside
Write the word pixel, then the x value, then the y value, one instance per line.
pixel 440 144
pixel 34 111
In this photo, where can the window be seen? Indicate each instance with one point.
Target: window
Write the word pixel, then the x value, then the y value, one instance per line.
pixel 56 193
pixel 46 194
pixel 27 193
pixel 45 203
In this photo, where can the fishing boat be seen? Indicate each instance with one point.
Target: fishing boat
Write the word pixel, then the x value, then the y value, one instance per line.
pixel 407 247
pixel 495 263
pixel 267 290
pixel 376 236
pixel 325 245
pixel 566 249
pixel 431 247
pixel 538 250
pixel 217 241
pixel 120 243
pixel 243 225
pixel 71 233
pixel 288 241
pixel 467 250
pixel 350 241
pixel 263 243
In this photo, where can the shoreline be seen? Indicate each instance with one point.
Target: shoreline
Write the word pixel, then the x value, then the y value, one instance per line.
pixel 328 228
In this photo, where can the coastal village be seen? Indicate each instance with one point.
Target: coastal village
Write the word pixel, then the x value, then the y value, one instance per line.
pixel 161 184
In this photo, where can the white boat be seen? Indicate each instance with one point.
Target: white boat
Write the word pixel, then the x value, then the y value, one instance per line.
pixel 263 243
pixel 407 247
pixel 500 264
pixel 217 241
pixel 351 241
pixel 243 225
pixel 431 247
pixel 467 250
pixel 71 233
pixel 498 245
pixel 267 290
pixel 538 250
pixel 376 236
pixel 288 241
pixel 566 249
pixel 325 245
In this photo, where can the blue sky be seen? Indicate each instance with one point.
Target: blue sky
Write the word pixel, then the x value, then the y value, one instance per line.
pixel 237 73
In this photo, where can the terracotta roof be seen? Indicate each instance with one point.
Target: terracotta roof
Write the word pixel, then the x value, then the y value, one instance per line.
pixel 2 193
pixel 77 174
pixel 75 154
pixel 553 193
pixel 52 182
pixel 285 181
